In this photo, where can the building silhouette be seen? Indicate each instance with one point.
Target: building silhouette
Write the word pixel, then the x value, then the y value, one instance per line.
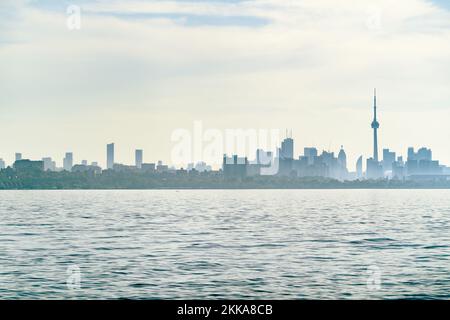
pixel 421 163
pixel 374 170
pixel 18 156
pixel 234 167
pixel 26 165
pixel 139 158
pixel 310 154
pixel 49 164
pixel 110 156
pixel 287 149
pixel 359 168
pixel 2 164
pixel 84 168
pixel 388 160
pixel 162 167
pixel 264 157
pixel 342 173
pixel 68 161
pixel 342 158
pixel 148 167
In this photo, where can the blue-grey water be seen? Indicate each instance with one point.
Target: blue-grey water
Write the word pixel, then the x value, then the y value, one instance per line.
pixel 234 244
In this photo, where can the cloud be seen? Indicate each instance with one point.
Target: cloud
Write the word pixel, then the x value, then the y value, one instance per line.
pixel 274 63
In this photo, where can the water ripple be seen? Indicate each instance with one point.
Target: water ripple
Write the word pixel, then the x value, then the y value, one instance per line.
pixel 202 244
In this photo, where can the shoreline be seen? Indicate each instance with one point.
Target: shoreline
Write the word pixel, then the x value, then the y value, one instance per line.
pixel 209 188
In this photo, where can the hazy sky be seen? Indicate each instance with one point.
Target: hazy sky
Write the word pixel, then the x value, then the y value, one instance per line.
pixel 138 70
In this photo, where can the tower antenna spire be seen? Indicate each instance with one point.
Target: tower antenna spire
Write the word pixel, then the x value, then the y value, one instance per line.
pixel 375 103
pixel 375 125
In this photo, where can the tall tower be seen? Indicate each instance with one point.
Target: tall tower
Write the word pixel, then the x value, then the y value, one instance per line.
pixel 375 126
pixel 110 156
pixel 138 158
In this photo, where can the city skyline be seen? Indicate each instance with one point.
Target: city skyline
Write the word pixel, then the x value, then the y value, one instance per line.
pixel 286 151
pixel 258 151
pixel 280 161
pixel 272 64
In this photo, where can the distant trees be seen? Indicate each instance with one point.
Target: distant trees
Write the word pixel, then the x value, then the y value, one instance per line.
pixel 36 179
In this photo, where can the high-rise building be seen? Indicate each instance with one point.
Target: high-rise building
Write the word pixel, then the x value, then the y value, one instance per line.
pixel 2 164
pixel 28 165
pixel 234 167
pixel 138 158
pixel 110 156
pixel 423 154
pixel 49 164
pixel 421 163
pixel 388 159
pixel 84 162
pixel 18 156
pixel 375 125
pixel 68 161
pixel 342 158
pixel 310 155
pixel 374 169
pixel 287 149
pixel 359 169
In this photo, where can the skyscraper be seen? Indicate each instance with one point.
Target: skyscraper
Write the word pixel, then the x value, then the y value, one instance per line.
pixel 287 149
pixel 310 154
pixel 359 170
pixel 375 126
pixel 49 164
pixel 388 159
pixel 138 158
pixel 342 158
pixel 18 156
pixel 110 156
pixel 2 164
pixel 68 161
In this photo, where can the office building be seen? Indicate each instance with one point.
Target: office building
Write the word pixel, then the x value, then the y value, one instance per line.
pixel 359 168
pixel 68 161
pixel 388 159
pixel 374 169
pixel 310 154
pixel 148 167
pixel 234 167
pixel 28 165
pixel 110 156
pixel 287 149
pixel 49 164
pixel 138 158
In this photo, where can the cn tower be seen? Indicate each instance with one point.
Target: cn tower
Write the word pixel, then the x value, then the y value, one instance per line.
pixel 375 126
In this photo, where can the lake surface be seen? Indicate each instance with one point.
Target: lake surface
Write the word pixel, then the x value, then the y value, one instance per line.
pixel 194 244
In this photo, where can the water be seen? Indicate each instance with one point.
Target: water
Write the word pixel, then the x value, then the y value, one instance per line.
pixel 274 244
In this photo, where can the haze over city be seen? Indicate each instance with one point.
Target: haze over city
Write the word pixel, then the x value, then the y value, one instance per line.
pixel 301 65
